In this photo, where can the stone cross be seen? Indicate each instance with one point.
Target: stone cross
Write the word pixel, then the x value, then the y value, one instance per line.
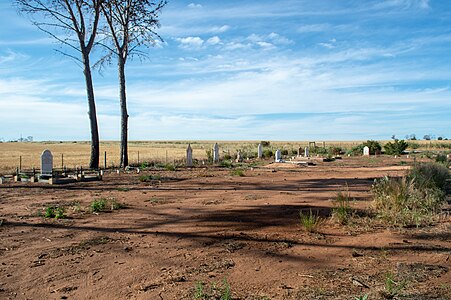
pixel 260 151
pixel 278 156
pixel 189 156
pixel 46 163
pixel 215 153
pixel 366 151
pixel 306 151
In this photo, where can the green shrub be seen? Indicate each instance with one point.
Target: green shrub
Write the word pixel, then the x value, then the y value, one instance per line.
pixel 284 152
pixel 396 147
pixel 429 175
pixel 238 172
pixel 267 153
pixel 55 212
pixel 226 164
pixel 98 205
pixel 209 153
pixel 356 150
pixel 265 143
pixel 309 221
pixel 227 156
pixel 375 146
pixel 335 150
pixel 442 159
pixel 149 178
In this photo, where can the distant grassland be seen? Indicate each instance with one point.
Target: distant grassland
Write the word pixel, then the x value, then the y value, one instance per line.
pixel 77 154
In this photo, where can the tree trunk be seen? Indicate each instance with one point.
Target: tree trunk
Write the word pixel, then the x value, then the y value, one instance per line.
pixel 94 160
pixel 124 114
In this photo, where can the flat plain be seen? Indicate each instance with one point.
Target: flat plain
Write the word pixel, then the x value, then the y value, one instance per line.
pixel 198 233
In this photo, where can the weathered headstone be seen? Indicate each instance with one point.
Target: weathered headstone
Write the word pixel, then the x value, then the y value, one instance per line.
pixel 366 151
pixel 278 156
pixel 306 152
pixel 216 152
pixel 189 156
pixel 239 157
pixel 300 149
pixel 46 163
pixel 260 151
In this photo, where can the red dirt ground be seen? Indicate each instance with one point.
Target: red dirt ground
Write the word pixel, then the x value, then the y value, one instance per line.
pixel 205 225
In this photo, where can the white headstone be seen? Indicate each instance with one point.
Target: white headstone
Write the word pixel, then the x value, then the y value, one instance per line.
pixel 260 151
pixel 306 152
pixel 366 151
pixel 216 152
pixel 46 163
pixel 189 156
pixel 278 156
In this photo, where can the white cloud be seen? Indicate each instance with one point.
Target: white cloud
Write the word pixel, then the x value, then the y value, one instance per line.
pixel 313 28
pixel 213 40
pixel 265 45
pixel 220 29
pixel 194 5
pixel 191 42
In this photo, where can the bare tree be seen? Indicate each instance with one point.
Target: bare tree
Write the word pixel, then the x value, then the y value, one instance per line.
pixel 78 21
pixel 131 27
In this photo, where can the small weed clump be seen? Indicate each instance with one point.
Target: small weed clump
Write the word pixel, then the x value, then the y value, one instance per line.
pixel 226 164
pixel 103 204
pixel 98 205
pixel 309 221
pixel 149 178
pixel 214 291
pixel 57 212
pixel 237 172
pixel 342 210
pixel 393 288
pixel 413 200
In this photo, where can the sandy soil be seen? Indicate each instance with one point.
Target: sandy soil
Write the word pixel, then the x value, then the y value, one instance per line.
pixel 205 225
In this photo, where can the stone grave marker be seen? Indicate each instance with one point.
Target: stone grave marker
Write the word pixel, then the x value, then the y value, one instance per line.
pixel 306 151
pixel 366 151
pixel 260 151
pixel 46 163
pixel 278 156
pixel 215 153
pixel 189 156
pixel 239 157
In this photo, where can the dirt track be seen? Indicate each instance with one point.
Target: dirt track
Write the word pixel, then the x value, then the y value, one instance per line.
pixel 207 225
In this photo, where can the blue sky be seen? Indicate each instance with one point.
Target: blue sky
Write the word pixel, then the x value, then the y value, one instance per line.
pixel 246 70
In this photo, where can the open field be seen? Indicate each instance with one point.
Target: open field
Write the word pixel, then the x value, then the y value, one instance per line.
pixel 76 154
pixel 193 232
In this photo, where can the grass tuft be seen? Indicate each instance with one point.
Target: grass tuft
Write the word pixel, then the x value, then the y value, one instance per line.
pixel 309 222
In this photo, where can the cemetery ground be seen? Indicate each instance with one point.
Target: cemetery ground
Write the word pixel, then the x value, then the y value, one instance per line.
pixel 211 231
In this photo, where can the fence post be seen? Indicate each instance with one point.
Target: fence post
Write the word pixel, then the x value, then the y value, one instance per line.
pixel 20 163
pixel 104 163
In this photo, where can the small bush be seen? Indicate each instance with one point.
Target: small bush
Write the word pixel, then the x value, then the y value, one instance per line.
pixel 396 147
pixel 209 153
pixel 335 150
pixel 238 172
pixel 226 164
pixel 149 178
pixel 227 156
pixel 442 159
pixel 310 222
pixel 356 150
pixel 429 175
pixel 98 205
pixel 55 212
pixel 265 143
pixel 375 146
pixel 267 153
pixel 284 152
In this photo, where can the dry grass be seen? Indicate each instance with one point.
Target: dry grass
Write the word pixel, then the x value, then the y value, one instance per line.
pixel 76 154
